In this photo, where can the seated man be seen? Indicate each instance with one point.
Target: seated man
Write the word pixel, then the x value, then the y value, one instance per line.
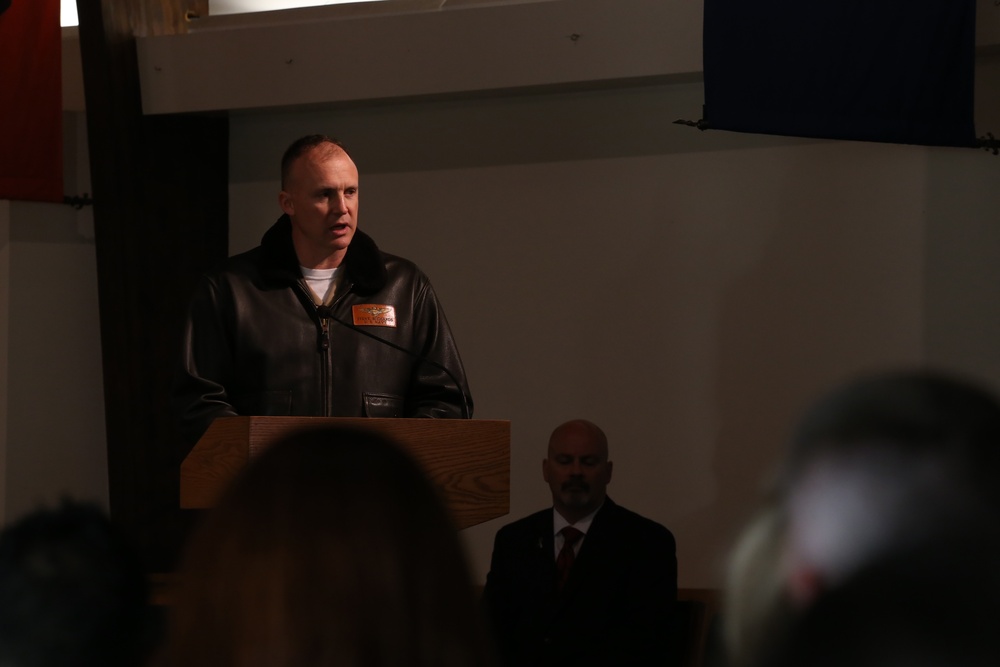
pixel 589 583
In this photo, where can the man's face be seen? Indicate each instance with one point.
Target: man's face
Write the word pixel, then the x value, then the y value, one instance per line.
pixel 577 469
pixel 321 199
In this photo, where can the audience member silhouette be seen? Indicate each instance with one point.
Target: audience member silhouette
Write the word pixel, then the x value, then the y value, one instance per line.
pixel 883 464
pixel 934 605
pixel 882 467
pixel 330 549
pixel 73 592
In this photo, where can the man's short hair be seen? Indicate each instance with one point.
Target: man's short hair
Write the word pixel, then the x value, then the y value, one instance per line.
pixel 912 411
pixel 302 145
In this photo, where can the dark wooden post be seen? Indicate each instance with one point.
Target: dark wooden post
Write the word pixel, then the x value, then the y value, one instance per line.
pixel 160 187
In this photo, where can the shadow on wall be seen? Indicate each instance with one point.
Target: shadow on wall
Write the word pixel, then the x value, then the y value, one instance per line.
pixel 822 299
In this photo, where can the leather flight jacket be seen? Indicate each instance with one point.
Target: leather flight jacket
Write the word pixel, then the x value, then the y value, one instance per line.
pixel 256 343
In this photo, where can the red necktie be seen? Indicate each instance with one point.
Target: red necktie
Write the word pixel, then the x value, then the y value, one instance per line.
pixel 566 555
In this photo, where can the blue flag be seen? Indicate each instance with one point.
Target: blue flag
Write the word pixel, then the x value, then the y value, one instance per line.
pixel 899 71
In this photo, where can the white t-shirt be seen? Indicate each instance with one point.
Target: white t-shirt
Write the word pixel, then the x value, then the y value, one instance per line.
pixel 321 282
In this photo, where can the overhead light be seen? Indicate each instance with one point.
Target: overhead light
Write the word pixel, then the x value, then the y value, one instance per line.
pixel 218 7
pixel 68 15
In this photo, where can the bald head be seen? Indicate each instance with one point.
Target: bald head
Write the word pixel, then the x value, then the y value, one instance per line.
pixel 577 468
pixel 325 147
pixel 580 430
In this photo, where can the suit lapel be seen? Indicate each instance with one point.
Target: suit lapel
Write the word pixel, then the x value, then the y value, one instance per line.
pixel 546 543
pixel 543 561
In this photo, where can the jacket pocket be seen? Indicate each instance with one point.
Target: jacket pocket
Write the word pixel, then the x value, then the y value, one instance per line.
pixel 383 405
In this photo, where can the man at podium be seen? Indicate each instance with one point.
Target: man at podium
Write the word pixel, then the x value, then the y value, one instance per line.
pixel 317 320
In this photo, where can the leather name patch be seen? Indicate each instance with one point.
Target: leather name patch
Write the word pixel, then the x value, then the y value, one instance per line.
pixel 374 315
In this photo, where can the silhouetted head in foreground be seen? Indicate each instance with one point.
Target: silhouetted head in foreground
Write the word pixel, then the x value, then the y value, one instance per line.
pixel 72 592
pixel 330 549
pixel 886 463
pixel 937 605
pixel 883 467
pixel 914 412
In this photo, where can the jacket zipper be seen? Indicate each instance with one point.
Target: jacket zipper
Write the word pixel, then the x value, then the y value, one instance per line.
pixel 323 343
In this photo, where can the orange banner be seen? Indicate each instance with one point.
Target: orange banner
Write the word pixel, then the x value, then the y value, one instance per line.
pixel 31 156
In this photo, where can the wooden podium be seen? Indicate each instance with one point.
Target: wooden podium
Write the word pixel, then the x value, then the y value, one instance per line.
pixel 468 459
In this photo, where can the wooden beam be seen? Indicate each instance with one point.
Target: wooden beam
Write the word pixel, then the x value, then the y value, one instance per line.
pixel 160 188
pixel 462 51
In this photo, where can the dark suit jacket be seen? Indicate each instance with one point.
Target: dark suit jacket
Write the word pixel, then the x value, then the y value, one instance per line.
pixel 616 609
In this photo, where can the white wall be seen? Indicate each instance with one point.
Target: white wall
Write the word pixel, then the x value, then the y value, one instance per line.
pixel 52 440
pixel 55 435
pixel 963 238
pixel 688 291
pixel 4 347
